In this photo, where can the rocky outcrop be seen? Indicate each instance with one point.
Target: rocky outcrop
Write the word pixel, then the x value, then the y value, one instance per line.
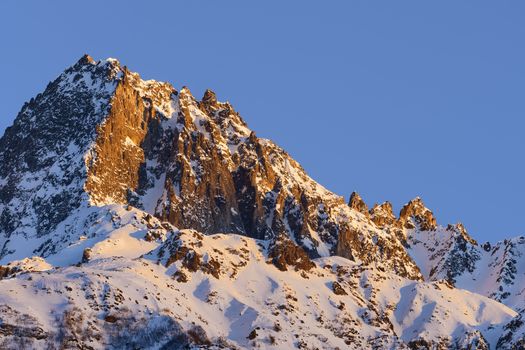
pixel 415 214
pixel 507 259
pixel 356 202
pixel 451 251
pixel 460 230
pixel 188 257
pixel 199 190
pixel 382 215
pixel 351 245
pixel 284 254
pixel 6 271
pixel 116 161
pixel 23 328
pixel 112 137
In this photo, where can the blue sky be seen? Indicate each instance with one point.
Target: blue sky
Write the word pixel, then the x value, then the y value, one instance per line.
pixel 393 99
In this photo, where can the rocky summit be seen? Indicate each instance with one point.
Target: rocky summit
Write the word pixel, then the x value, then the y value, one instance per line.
pixel 134 215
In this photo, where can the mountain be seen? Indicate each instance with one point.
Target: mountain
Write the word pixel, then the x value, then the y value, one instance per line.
pixel 143 217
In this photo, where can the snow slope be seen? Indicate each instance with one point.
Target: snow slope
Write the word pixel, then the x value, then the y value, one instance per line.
pixel 245 302
pixel 496 271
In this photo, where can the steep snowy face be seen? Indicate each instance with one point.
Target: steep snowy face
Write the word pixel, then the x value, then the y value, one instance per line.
pixel 495 271
pixel 42 156
pixel 444 252
pixel 513 336
pixel 449 253
pixel 499 272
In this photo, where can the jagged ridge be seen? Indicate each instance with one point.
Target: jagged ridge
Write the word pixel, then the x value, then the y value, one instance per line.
pixel 104 164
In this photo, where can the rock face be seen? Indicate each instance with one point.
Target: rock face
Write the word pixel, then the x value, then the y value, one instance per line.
pixel 117 157
pixel 382 215
pixel 284 254
pixel 415 214
pixel 357 203
pixel 105 170
pixel 192 163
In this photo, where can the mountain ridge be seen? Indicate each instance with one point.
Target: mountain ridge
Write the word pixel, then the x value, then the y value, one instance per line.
pixel 104 167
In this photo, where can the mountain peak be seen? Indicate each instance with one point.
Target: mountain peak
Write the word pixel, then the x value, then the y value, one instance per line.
pixel 175 203
pixel 357 203
pixel 415 212
pixel 382 214
pixel 209 98
pixel 86 59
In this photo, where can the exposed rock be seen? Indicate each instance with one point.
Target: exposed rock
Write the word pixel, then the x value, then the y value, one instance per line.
pixel 86 255
pixel 462 231
pixel 209 100
pixel 196 164
pixel 100 143
pixel 356 202
pixel 338 289
pixel 415 214
pixel 85 60
pixel 7 330
pixel 22 327
pixel 118 159
pixel 353 245
pixel 472 340
pixel 183 248
pixel 53 131
pixel 5 271
pixel 513 336
pixel 284 253
pixel 110 318
pixel 451 251
pixel 382 215
pixel 198 336
pixel 180 276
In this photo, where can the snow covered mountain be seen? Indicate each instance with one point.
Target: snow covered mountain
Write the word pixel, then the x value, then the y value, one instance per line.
pixel 142 217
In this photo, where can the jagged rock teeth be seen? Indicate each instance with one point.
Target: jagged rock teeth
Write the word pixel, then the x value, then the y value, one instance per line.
pixel 357 203
pixel 209 97
pixel 383 215
pixel 415 213
pixel 213 108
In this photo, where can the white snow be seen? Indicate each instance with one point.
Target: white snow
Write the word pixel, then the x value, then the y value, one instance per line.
pixel 251 294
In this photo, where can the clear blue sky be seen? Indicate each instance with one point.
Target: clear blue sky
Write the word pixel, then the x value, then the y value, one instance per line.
pixel 393 99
